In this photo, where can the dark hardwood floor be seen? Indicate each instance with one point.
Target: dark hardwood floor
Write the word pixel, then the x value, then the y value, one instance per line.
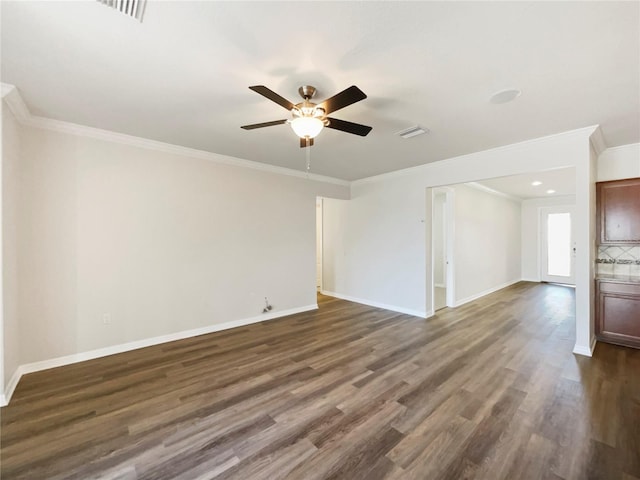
pixel 489 390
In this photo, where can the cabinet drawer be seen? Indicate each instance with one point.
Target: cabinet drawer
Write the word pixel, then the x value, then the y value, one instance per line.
pixel 618 313
pixel 619 288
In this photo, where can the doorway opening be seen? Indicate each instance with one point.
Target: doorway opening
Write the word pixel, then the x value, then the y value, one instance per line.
pixel 319 244
pixel 442 248
pixel 557 244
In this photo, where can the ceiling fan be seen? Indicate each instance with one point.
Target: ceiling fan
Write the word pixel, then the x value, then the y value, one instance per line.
pixel 310 118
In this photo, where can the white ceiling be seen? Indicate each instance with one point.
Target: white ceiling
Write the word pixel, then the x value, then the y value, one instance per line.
pixel 181 76
pixel 562 181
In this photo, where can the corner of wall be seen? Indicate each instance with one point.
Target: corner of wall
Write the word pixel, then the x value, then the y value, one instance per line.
pixel 597 140
pixel 585 350
pixel 5 398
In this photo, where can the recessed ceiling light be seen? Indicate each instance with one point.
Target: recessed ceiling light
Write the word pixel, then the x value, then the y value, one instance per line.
pixel 536 183
pixel 505 96
pixel 551 191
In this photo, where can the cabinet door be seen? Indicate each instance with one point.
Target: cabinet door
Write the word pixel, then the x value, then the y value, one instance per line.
pixel 618 314
pixel 619 211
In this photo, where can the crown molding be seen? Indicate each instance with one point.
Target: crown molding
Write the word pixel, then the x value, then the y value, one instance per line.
pixel 6 89
pixel 628 146
pixel 484 188
pixel 597 141
pixel 15 103
pixel 124 139
pixel 585 131
pixel 20 110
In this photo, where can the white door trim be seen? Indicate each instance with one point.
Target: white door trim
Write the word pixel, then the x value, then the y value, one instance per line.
pixel 449 226
pixel 320 242
pixel 543 213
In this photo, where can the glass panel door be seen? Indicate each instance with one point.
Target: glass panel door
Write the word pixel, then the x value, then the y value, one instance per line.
pixel 558 248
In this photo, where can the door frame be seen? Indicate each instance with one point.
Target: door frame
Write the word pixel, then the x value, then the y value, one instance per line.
pixel 542 215
pixel 319 243
pixel 449 228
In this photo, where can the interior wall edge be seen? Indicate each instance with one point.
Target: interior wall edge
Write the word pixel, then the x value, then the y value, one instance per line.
pixel 586 351
pixel 5 398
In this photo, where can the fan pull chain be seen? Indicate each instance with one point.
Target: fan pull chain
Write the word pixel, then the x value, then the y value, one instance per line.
pixel 308 153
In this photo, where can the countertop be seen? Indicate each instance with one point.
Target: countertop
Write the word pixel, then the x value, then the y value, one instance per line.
pixel 618 278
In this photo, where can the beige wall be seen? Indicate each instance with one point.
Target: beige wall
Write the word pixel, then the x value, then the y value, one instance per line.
pixel 334 226
pixel 486 242
pixel 160 243
pixel 10 243
pixel 619 162
pixel 438 240
pixel 486 247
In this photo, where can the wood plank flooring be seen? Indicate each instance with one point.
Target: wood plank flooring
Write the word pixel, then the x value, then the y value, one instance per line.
pixel 489 390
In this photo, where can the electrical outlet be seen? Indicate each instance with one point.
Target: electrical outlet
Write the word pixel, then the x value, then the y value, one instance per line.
pixel 267 305
pixel 106 319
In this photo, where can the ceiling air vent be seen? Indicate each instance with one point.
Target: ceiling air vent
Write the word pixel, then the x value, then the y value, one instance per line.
pixel 412 131
pixel 131 8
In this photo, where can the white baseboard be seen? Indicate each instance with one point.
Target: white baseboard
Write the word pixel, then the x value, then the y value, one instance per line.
pixel 147 342
pixel 393 308
pixel 584 350
pixel 485 292
pixel 11 386
pixel 536 280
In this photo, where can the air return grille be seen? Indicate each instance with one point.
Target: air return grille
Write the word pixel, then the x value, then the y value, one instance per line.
pixel 131 8
pixel 412 131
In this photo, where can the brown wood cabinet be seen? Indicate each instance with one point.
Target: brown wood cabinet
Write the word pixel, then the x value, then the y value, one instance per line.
pixel 618 210
pixel 618 312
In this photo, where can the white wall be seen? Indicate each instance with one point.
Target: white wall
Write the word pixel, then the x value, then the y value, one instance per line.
pixel 486 244
pixel 10 243
pixel 319 242
pixel 531 232
pixel 387 237
pixel 619 162
pixel 391 222
pixel 439 270
pixel 589 295
pixel 159 242
pixel 334 256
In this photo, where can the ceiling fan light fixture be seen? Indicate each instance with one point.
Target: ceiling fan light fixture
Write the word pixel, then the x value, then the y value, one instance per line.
pixel 307 127
pixel 310 118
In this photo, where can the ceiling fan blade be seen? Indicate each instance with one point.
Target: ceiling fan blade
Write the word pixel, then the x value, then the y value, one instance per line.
pixel 306 142
pixel 265 124
pixel 273 96
pixel 343 99
pixel 349 127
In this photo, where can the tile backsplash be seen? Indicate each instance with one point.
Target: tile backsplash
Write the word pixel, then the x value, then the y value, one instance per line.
pixel 619 259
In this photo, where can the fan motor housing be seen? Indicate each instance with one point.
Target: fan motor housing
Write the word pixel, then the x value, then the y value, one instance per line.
pixel 307 91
